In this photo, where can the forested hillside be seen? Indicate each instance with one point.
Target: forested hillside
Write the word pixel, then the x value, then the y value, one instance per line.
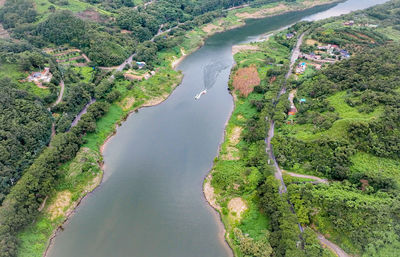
pixel 347 129
pixel 99 35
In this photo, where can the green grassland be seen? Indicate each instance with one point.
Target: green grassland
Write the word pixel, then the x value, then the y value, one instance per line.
pixel 12 71
pixel 42 7
pixel 347 114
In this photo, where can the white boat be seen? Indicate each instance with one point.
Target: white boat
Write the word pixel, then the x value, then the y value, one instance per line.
pixel 200 94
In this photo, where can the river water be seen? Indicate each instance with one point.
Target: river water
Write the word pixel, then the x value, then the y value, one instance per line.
pixel 150 203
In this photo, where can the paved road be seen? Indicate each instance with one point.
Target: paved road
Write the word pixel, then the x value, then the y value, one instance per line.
pixel 84 110
pixel 278 171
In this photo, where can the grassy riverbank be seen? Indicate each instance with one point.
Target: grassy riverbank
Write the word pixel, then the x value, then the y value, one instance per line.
pixel 240 166
pixel 241 181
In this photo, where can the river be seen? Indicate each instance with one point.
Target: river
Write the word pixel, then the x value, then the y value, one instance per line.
pixel 150 203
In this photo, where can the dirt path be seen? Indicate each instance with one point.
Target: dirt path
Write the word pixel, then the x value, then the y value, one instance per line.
pixel 292 94
pixel 333 247
pixel 60 96
pixel 317 179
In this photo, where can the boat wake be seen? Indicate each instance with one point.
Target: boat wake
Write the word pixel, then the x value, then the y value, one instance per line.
pixel 197 97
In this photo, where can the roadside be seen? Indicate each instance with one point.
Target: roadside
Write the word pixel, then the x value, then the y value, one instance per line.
pixel 278 171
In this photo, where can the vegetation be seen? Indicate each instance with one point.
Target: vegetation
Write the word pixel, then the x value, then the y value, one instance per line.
pixel 71 160
pixel 347 131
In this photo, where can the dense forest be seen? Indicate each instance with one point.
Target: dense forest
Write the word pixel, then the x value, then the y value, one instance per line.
pixel 102 41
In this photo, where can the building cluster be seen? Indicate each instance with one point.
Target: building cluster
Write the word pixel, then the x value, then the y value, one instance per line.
pixel 39 77
pixel 352 23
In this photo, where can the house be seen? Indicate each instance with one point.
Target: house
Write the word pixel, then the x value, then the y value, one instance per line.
pixel 344 53
pixel 39 77
pixel 301 68
pixel 289 35
pixel 140 64
pixel 348 23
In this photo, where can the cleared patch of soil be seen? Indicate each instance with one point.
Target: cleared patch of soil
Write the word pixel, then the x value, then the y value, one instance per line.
pixel 312 42
pixel 262 13
pixel 238 206
pixel 127 103
pixel 124 31
pixel 90 14
pixel 156 100
pixel 3 32
pixel 239 48
pixel 209 28
pixel 245 79
pixel 62 201
pixel 235 136
pixel 209 193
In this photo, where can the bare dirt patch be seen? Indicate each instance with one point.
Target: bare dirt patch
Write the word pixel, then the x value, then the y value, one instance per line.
pixel 90 14
pixel 238 206
pixel 245 79
pixel 155 100
pixel 239 48
pixel 312 42
pixel 177 60
pixel 3 32
pixel 62 201
pixel 235 136
pixel 125 31
pixel 210 28
pixel 262 13
pixel 209 193
pixel 127 103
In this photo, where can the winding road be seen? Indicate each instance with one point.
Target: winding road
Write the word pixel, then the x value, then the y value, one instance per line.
pixel 317 179
pixel 278 171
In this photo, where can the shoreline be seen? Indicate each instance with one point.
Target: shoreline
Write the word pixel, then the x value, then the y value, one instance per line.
pixel 174 65
pixel 210 198
pixel 102 167
pixel 207 181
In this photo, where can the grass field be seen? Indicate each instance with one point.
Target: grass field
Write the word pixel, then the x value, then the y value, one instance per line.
pixel 376 166
pixel 12 71
pixel 42 7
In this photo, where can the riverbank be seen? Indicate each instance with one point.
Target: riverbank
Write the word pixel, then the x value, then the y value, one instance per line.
pixel 85 172
pixel 234 197
pixel 78 176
